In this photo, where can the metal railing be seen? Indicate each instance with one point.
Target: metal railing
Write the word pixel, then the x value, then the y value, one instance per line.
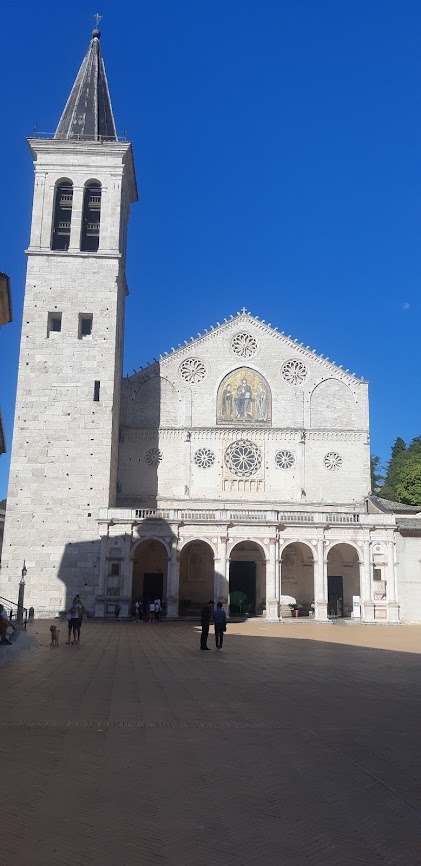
pixel 77 137
pixel 21 617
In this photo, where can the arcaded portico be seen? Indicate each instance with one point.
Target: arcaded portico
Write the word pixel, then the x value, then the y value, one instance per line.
pixel 324 562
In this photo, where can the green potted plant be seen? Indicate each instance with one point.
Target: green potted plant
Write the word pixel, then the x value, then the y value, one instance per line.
pixel 295 608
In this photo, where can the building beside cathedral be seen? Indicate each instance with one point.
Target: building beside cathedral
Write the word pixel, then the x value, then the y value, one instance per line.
pixel 237 467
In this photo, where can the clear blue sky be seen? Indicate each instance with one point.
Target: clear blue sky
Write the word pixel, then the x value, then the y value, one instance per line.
pixel 278 155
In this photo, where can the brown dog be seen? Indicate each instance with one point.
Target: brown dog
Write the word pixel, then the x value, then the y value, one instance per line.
pixel 55 634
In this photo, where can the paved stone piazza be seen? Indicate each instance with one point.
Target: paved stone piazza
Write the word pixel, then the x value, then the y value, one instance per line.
pixel 298 744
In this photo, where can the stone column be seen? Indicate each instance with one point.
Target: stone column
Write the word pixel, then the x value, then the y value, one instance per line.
pixel 367 606
pixel 76 223
pixel 279 575
pixel 42 213
pixel 110 208
pixel 100 598
pixel 221 582
pixel 173 581
pixel 391 583
pixel 320 583
pixel 126 567
pixel 272 604
pixel 280 552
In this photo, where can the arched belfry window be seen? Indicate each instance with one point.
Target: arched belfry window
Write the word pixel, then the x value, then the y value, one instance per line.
pixel 91 217
pixel 63 202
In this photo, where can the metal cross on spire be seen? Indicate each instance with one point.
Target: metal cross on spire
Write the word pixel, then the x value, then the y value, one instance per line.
pixel 98 18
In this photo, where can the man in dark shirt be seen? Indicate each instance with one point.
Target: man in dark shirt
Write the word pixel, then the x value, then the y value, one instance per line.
pixel 220 620
pixel 205 620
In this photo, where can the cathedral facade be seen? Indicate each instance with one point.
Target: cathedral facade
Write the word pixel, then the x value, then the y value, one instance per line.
pixel 236 468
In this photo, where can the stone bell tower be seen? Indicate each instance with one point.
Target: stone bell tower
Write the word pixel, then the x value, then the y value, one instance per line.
pixel 65 443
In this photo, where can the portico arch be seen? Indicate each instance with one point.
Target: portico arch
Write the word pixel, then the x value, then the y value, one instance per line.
pixel 150 570
pixel 247 578
pixel 196 576
pixel 343 578
pixel 297 576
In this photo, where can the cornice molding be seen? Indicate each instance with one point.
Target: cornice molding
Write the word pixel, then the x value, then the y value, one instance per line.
pixel 256 435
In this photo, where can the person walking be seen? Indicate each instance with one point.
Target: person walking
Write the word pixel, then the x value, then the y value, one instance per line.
pixel 74 621
pixel 220 620
pixel 117 610
pixel 81 614
pixel 157 609
pixel 151 611
pixel 4 625
pixel 205 620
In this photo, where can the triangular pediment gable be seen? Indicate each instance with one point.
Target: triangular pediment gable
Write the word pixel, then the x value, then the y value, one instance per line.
pixel 243 319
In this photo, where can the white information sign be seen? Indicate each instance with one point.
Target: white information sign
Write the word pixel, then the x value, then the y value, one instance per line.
pixel 356 606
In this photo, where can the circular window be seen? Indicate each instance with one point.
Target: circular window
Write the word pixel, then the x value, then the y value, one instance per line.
pixel 153 457
pixel 333 461
pixel 285 460
pixel 294 372
pixel 204 458
pixel 244 345
pixel 243 458
pixel 192 370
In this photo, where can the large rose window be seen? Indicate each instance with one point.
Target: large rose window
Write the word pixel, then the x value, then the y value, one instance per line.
pixel 243 458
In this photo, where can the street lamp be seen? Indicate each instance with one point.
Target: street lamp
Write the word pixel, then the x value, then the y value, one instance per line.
pixel 21 593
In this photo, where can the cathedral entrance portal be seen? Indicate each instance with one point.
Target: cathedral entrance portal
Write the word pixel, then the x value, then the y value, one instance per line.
pixel 196 577
pixel 247 579
pixel 153 586
pixel 297 578
pixel 150 565
pixel 242 588
pixel 343 579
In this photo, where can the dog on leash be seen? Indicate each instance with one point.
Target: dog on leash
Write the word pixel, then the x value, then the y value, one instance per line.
pixel 55 635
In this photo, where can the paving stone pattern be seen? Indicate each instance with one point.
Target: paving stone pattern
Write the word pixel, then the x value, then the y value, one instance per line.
pixel 298 744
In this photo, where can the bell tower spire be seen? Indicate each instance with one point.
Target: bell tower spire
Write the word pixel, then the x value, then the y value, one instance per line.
pixel 88 115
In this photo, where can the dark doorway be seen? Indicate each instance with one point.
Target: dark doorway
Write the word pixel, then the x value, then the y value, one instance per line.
pixel 153 583
pixel 335 595
pixel 242 588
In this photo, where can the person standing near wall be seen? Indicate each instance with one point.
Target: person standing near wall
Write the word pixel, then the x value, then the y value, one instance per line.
pixel 81 614
pixel 73 617
pixel 220 620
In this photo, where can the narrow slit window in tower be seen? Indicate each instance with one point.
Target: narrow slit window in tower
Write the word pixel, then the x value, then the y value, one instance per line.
pixel 62 215
pixel 91 218
pixel 97 386
pixel 85 325
pixel 54 323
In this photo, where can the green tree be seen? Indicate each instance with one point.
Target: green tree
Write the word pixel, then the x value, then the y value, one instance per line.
pixel 398 446
pixel 415 445
pixel 377 476
pixel 3 504
pixel 403 477
pixel 409 486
